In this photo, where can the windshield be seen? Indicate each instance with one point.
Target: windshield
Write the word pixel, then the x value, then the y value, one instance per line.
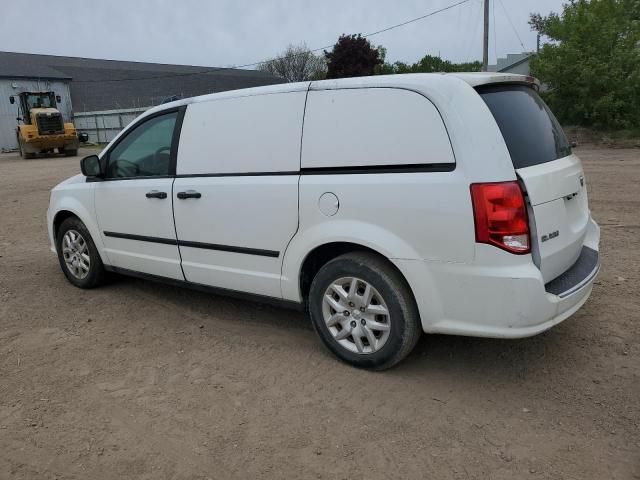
pixel 532 133
pixel 40 100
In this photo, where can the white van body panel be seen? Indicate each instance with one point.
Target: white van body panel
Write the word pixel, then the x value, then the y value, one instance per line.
pixel 230 140
pixel 75 195
pixel 122 207
pixel 391 221
pixel 259 212
pixel 350 128
pixel 242 135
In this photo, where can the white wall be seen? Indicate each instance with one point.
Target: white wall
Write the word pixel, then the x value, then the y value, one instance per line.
pixel 8 112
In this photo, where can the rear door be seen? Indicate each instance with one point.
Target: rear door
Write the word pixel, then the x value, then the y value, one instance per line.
pixel 552 175
pixel 236 190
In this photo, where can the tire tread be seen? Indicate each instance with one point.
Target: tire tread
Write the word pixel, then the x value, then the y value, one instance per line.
pixel 96 270
pixel 390 275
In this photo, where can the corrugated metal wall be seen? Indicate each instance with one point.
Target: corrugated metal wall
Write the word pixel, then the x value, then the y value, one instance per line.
pixel 8 112
pixel 103 126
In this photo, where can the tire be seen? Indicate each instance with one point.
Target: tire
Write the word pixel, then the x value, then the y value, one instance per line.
pixel 394 334
pixel 23 154
pixel 76 272
pixel 68 153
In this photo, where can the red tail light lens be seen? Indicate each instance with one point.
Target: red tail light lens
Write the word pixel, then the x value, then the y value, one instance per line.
pixel 500 215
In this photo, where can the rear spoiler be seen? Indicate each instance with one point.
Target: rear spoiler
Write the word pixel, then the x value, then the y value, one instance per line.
pixel 491 78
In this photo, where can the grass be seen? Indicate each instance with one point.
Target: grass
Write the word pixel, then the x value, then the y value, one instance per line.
pixel 609 138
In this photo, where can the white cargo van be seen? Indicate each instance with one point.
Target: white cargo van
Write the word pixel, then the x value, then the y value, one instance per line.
pixel 385 206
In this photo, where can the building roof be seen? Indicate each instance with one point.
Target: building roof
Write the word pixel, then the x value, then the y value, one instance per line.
pixel 511 60
pixel 112 84
pixel 524 58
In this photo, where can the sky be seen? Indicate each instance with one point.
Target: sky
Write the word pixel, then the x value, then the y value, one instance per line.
pixel 231 33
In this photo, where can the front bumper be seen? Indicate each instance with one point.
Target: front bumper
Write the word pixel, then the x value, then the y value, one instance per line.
pixel 52 241
pixel 499 296
pixel 46 142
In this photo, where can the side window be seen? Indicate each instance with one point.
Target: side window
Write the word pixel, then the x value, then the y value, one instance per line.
pixel 145 151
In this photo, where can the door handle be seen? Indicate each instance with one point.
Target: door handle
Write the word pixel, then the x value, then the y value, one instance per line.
pixel 189 194
pixel 156 194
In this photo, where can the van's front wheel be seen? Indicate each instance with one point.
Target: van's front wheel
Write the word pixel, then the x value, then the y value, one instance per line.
pixel 78 255
pixel 364 311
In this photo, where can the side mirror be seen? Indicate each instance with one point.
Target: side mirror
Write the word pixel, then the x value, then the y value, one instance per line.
pixel 58 98
pixel 12 100
pixel 90 166
pixel 83 137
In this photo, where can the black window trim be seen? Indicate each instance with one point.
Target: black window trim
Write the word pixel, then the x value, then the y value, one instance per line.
pixel 175 141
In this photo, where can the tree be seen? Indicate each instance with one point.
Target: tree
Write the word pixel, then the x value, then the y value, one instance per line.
pixel 296 64
pixel 352 56
pixel 591 65
pixel 430 64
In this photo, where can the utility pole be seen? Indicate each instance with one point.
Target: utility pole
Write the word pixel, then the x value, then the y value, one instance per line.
pixel 485 39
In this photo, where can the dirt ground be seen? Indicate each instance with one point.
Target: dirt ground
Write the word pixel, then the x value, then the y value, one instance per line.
pixel 145 381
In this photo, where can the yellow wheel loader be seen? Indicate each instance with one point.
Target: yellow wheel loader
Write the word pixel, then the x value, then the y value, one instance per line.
pixel 42 129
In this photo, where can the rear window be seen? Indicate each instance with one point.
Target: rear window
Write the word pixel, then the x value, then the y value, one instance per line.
pixel 532 133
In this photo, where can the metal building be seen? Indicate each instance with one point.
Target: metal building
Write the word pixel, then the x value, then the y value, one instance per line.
pixel 105 94
pixel 513 63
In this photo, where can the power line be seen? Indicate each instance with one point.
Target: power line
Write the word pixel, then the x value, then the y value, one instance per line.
pixel 512 26
pixel 235 67
pixel 495 37
pixel 414 19
pixel 472 41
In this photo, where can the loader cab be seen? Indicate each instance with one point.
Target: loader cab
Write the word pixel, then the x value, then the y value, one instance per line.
pixel 30 101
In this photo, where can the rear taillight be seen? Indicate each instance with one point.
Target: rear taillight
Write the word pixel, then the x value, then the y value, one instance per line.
pixel 500 215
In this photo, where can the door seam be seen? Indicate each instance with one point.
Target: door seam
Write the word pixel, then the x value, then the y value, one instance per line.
pixel 175 227
pixel 284 251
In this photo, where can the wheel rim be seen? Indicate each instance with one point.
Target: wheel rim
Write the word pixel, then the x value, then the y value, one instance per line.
pixel 76 254
pixel 356 315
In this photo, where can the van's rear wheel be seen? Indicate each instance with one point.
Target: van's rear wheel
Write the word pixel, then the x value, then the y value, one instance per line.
pixel 364 311
pixel 78 255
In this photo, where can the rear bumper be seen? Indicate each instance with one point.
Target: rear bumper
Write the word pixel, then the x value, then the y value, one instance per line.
pixel 500 296
pixel 577 276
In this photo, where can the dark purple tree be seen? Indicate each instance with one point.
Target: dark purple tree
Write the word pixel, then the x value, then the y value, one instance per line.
pixel 352 56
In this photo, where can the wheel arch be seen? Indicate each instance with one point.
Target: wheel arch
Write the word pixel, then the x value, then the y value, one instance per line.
pixel 321 254
pixel 60 217
pixel 73 208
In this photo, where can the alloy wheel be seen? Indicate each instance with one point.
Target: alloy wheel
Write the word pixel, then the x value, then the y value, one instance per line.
pixel 356 315
pixel 76 254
